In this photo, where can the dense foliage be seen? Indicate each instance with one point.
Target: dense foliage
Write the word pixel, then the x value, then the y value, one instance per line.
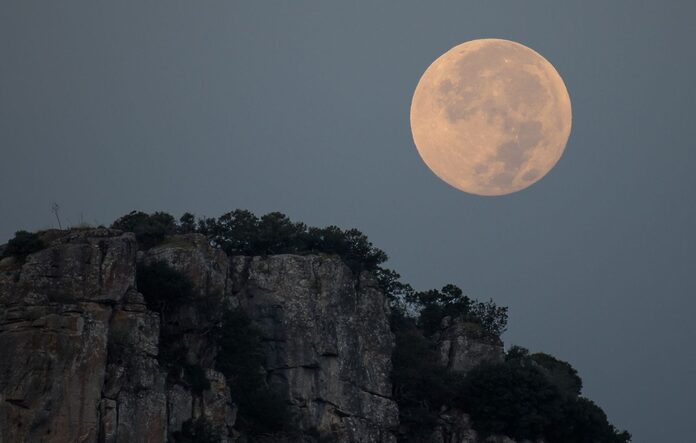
pixel 523 399
pixel 164 289
pixel 420 384
pixel 450 301
pixel 510 399
pixel 529 396
pixel 428 308
pixel 560 373
pixel 23 244
pixel 149 229
pixel 240 232
pixel 162 286
pixel 519 397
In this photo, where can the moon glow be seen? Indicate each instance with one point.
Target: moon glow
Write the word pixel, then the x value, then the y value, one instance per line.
pixel 491 117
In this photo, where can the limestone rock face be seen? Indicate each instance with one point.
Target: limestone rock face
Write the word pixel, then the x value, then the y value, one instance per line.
pixel 207 267
pixel 55 314
pixel 188 323
pixel 462 346
pixel 208 270
pixel 80 352
pixel 328 342
pixel 133 377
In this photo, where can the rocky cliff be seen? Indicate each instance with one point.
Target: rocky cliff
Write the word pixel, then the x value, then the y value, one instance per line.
pixel 80 347
pixel 84 357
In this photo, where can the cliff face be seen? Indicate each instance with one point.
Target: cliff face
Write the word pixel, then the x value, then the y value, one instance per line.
pixel 80 348
pixel 328 342
pixel 81 353
pixel 58 313
pixel 462 346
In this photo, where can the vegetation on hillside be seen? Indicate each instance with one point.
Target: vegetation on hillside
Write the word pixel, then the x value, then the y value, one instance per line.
pixel 240 232
pixel 527 396
pixel 534 396
pixel 239 357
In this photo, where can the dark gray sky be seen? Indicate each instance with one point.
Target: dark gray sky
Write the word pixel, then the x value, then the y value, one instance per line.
pixel 302 107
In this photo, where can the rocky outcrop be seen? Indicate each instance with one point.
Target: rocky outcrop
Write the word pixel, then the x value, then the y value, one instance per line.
pixel 463 345
pixel 134 388
pixel 327 341
pixel 55 315
pixel 188 324
pixel 81 350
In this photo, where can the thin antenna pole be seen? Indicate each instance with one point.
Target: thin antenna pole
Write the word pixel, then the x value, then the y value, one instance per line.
pixel 55 209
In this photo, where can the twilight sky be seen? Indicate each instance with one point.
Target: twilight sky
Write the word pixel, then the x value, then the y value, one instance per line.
pixel 303 107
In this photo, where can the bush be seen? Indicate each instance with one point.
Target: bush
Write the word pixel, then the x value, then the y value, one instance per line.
pixel 351 245
pixel 560 373
pixel 433 305
pixel 510 399
pixel 23 244
pixel 234 232
pixel 420 384
pixel 582 421
pixel 187 223
pixel 240 232
pixel 162 286
pixel 391 285
pixel 530 397
pixel 149 229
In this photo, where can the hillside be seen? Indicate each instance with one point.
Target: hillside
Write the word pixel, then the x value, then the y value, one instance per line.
pixel 259 329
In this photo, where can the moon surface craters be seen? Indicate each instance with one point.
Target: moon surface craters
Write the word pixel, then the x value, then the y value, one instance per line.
pixel 490 117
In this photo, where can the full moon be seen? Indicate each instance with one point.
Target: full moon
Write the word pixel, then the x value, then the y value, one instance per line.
pixel 491 117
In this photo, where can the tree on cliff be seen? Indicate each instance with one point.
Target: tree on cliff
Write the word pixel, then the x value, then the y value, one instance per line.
pixel 240 232
pixel 528 396
pixel 149 229
pixel 450 301
pixel 23 244
pixel 521 398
